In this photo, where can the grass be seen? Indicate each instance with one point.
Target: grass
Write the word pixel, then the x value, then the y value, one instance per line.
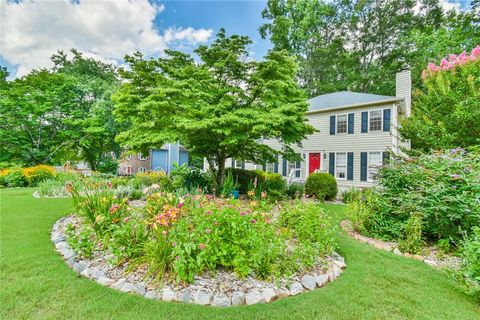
pixel 37 284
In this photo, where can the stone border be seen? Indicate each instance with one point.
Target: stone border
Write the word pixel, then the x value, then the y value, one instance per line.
pixel 431 260
pixel 37 195
pixel 197 293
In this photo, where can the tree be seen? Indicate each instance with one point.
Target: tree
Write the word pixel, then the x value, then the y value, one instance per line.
pixel 446 111
pixel 360 45
pixel 222 107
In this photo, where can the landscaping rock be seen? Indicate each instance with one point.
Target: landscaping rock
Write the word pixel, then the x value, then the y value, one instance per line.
pixel 397 252
pixel 321 280
pixel 431 263
pixel 221 300
pixel 282 293
pixel 184 296
pixel 168 294
pixel 418 257
pixel 119 284
pixel 296 288
pixel 340 264
pixel 254 297
pixel 309 282
pixel 68 253
pixel 105 281
pixel 79 266
pixel 139 288
pixel 152 294
pixel 202 298
pixel 269 294
pixel 238 298
pixel 86 272
pixel 338 257
pixel 96 274
pixel 127 287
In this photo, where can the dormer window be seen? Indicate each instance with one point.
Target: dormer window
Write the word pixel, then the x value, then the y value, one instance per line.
pixel 342 123
pixel 375 120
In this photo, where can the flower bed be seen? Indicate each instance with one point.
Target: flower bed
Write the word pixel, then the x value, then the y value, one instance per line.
pixel 217 250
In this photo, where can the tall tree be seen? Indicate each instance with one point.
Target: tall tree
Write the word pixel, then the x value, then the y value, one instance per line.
pixel 219 108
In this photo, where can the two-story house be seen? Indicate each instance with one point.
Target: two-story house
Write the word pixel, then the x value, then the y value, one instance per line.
pixel 357 133
pixel 161 159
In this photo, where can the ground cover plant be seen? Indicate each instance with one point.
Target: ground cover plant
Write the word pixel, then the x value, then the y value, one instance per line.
pixel 179 235
pixel 22 177
pixel 37 284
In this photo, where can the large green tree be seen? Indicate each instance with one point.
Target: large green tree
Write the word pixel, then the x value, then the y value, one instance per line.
pixel 220 107
pixel 359 45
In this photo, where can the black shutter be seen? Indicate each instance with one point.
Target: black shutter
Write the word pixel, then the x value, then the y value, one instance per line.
pixel 332 125
pixel 351 122
pixel 284 167
pixel 243 165
pixel 233 163
pixel 331 163
pixel 275 165
pixel 386 158
pixel 264 167
pixel 363 166
pixel 365 122
pixel 386 119
pixel 350 166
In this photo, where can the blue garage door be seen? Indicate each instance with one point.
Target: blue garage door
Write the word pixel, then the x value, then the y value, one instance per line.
pixel 160 160
pixel 183 157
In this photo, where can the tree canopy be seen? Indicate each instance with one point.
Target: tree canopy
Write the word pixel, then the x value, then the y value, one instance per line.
pixel 220 107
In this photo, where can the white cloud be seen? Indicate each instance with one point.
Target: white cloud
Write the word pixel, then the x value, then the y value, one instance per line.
pixel 450 5
pixel 31 31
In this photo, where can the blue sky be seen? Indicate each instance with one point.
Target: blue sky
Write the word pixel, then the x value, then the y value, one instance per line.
pixel 31 31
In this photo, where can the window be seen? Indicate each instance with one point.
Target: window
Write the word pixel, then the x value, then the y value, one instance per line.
pixel 376 120
pixel 295 167
pixel 342 123
pixel 128 157
pixel 270 167
pixel 142 169
pixel 374 162
pixel 341 165
pixel 238 164
pixel 141 157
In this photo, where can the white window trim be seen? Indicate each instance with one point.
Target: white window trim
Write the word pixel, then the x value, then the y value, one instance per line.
pixel 295 169
pixel 346 124
pixel 128 157
pixel 368 164
pixel 370 117
pixel 272 164
pixel 142 171
pixel 346 165
pixel 141 157
pixel 237 164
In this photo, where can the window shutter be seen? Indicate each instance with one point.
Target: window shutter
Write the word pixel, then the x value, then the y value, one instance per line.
pixel 365 122
pixel 351 119
pixel 275 166
pixel 363 166
pixel 386 119
pixel 284 167
pixel 243 165
pixel 233 163
pixel 264 167
pixel 350 166
pixel 386 158
pixel 332 125
pixel 331 163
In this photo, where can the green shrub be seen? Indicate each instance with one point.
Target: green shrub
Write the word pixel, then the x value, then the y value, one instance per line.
pixel 141 180
pixel 321 185
pixel 15 178
pixel 37 174
pixel 350 195
pixel 412 235
pixel 296 190
pixel 469 274
pixel 275 185
pixel 245 178
pixel 190 178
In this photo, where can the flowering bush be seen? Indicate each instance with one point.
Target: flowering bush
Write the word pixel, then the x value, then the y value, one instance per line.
pixel 178 236
pixel 39 173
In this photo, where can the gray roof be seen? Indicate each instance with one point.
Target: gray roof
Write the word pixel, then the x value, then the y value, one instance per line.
pixel 340 99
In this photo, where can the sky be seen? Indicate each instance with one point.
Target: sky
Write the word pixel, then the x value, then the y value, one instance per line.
pixel 32 30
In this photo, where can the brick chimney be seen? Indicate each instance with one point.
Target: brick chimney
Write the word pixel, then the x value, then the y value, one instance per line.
pixel 403 86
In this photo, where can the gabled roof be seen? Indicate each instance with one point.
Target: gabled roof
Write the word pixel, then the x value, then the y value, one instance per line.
pixel 342 99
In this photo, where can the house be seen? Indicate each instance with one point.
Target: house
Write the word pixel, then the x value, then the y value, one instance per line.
pixel 357 133
pixel 162 159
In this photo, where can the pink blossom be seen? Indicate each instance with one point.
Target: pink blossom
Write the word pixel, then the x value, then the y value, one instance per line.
pixel 177 258
pixel 180 205
pixel 452 57
pixel 201 246
pixel 443 62
pixel 174 244
pixel 209 212
pixel 253 221
pixel 476 51
pixel 432 66
pixel 126 219
pixel 242 213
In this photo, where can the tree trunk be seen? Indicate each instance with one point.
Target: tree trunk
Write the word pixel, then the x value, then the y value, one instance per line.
pixel 218 174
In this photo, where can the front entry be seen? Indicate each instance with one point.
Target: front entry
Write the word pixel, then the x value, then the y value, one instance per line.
pixel 313 162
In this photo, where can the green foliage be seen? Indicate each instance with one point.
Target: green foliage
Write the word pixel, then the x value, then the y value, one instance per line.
pixel 275 185
pixel 351 195
pixel 229 185
pixel 245 178
pixel 412 240
pixel 128 239
pixel 190 178
pixel 323 186
pixel 107 165
pixel 82 242
pixel 469 274
pixel 200 104
pixel 296 190
pixel 440 190
pixel 446 110
pixel 159 178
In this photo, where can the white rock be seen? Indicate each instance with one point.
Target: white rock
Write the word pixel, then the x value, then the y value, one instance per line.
pixel 309 282
pixel 431 262
pixel 67 253
pixel 61 245
pixel 86 272
pixel 79 266
pixel 296 288
pixel 105 281
pixel 168 294
pixel 282 293
pixel 338 257
pixel 238 298
pixel 253 297
pixel 221 300
pixel 321 280
pixel 340 264
pixel 70 262
pixel 202 298
pixel 119 284
pixel 152 294
pixel 96 273
pixel 184 296
pixel 127 287
pixel 397 252
pixel 139 288
pixel 269 294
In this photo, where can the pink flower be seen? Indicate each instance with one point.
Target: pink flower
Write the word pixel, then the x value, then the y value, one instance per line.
pixel 452 57
pixel 253 221
pixel 174 244
pixel 209 212
pixel 242 213
pixel 476 51
pixel 177 258
pixel 432 66
pixel 126 219
pixel 443 62
pixel 180 205
pixel 208 230
pixel 267 221
pixel 201 246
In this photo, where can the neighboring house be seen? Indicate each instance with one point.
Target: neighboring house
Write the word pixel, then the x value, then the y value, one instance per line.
pixel 156 160
pixel 357 134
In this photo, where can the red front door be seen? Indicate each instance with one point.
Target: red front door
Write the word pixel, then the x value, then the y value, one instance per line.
pixel 313 162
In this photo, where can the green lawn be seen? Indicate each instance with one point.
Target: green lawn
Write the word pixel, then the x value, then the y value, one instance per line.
pixel 37 284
